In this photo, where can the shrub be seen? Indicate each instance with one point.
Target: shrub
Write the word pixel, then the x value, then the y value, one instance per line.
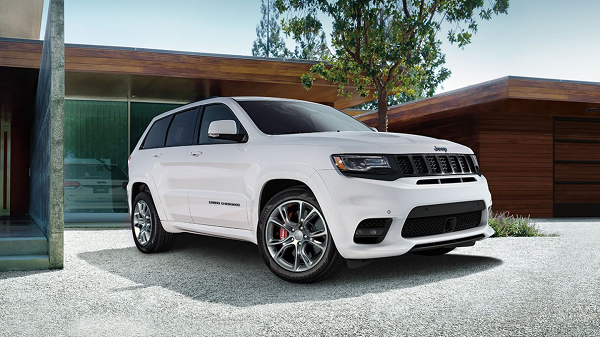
pixel 506 224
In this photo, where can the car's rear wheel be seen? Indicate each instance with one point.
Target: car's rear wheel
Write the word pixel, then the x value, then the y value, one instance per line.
pixel 435 252
pixel 148 233
pixel 294 239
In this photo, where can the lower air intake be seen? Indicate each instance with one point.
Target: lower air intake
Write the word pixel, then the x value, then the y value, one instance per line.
pixel 371 231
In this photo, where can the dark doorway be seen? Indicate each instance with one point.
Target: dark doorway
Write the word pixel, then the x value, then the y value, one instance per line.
pixel 17 103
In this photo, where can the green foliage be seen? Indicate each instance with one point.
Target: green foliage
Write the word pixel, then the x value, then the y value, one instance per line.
pixel 269 42
pixel 311 44
pixel 391 101
pixel 506 224
pixel 390 45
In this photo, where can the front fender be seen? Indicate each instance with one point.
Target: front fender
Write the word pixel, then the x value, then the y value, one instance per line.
pixel 299 172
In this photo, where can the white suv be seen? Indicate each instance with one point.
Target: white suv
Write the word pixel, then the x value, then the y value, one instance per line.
pixel 311 186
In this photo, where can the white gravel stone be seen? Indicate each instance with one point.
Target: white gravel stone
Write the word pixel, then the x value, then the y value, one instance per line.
pixel 214 287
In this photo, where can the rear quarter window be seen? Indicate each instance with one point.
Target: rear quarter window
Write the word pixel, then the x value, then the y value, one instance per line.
pixel 156 135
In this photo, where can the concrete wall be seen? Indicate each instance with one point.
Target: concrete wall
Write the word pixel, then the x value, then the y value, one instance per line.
pixel 47 159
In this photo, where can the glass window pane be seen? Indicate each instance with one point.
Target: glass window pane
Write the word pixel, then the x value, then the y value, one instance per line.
pixel 95 157
pixel 213 113
pixel 182 128
pixel 286 117
pixel 156 136
pixel 141 115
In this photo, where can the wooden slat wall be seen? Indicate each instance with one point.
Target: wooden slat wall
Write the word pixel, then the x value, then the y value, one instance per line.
pixel 481 94
pixel 524 88
pixel 247 76
pixel 21 55
pixel 577 130
pixel 577 172
pixel 577 167
pixel 577 151
pixel 458 126
pixel 516 157
pixel 575 194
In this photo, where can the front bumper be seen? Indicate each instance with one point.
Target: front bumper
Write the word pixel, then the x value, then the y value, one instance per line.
pixel 348 201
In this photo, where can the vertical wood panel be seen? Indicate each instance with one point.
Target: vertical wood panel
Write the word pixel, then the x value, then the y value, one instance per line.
pixel 516 158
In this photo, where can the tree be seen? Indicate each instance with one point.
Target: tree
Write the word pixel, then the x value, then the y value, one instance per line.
pixel 312 46
pixel 392 46
pixel 391 101
pixel 269 42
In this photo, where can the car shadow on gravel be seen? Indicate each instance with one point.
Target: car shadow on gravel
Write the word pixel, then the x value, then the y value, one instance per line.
pixel 232 272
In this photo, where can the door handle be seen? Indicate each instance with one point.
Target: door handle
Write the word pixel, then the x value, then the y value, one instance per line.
pixel 157 155
pixel 195 153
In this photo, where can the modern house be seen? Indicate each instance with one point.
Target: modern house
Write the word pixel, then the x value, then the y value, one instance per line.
pixel 537 140
pixel 70 115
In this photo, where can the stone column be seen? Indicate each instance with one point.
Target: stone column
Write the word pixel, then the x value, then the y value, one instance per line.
pixel 47 145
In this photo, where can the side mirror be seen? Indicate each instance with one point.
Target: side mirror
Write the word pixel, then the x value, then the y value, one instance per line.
pixel 225 129
pixel 374 129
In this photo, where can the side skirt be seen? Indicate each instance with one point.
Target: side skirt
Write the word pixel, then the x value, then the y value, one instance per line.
pixel 222 232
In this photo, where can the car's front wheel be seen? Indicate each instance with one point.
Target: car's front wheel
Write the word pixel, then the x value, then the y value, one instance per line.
pixel 294 239
pixel 148 232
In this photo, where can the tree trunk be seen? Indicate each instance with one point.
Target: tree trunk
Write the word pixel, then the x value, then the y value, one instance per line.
pixel 382 110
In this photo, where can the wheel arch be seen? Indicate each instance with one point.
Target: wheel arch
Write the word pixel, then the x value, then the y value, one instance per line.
pixel 274 186
pixel 145 185
pixel 285 177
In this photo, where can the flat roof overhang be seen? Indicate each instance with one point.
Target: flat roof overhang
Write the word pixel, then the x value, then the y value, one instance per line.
pixel 510 87
pixel 99 72
pixel 21 18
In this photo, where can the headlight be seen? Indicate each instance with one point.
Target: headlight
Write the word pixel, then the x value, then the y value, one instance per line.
pixel 474 160
pixel 358 163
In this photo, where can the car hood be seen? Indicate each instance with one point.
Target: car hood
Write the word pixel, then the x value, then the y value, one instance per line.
pixel 373 142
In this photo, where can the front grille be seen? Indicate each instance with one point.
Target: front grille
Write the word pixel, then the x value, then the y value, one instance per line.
pixel 437 164
pixel 445 164
pixel 432 225
pixel 420 165
pixel 433 164
pixel 454 164
pixel 405 165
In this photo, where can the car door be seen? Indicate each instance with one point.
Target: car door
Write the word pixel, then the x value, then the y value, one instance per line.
pixel 167 150
pixel 218 192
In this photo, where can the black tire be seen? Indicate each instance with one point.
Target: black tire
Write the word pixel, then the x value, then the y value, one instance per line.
pixel 330 261
pixel 160 240
pixel 435 252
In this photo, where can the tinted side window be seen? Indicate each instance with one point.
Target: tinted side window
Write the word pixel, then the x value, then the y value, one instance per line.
pixel 182 128
pixel 157 133
pixel 213 113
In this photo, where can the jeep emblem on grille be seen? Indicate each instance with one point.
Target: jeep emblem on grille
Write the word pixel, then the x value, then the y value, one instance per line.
pixel 435 148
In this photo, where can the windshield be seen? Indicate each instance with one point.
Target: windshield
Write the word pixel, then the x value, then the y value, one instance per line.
pixel 286 117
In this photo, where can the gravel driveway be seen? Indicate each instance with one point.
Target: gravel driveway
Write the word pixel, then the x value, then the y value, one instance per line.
pixel 209 286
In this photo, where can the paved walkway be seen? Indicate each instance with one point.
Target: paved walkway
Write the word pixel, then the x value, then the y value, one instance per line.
pixel 209 286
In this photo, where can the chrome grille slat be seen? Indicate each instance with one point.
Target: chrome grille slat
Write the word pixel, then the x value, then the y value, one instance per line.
pixel 436 164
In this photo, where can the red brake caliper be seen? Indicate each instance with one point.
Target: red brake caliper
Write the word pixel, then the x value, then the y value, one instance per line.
pixel 283 234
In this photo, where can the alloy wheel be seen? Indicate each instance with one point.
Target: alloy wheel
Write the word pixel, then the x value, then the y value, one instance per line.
pixel 296 235
pixel 142 223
